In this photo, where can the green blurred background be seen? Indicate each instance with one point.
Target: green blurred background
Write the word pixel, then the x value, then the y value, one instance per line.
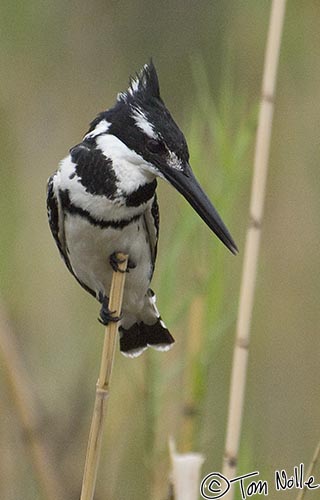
pixel 62 63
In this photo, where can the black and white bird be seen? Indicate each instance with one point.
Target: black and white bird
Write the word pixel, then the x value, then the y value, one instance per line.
pixel 102 200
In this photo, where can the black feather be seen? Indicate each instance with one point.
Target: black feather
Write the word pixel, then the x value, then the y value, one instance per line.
pixel 94 170
pixel 148 82
pixel 144 86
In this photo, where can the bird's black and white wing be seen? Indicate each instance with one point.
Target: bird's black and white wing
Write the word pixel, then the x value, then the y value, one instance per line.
pixel 56 220
pixel 151 218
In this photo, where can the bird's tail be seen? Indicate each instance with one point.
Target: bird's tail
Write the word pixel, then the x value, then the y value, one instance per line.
pixel 148 331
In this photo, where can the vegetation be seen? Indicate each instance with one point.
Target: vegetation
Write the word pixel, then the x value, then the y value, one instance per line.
pixel 62 63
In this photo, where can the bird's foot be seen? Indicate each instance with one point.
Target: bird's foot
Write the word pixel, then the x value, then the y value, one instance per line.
pixel 115 261
pixel 107 316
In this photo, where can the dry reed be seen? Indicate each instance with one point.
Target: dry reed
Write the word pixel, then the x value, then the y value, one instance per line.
pixel 247 290
pixel 27 412
pixel 312 465
pixel 194 341
pixel 103 383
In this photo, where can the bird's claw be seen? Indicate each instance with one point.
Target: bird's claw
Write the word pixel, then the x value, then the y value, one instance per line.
pixel 115 261
pixel 107 316
pixel 106 319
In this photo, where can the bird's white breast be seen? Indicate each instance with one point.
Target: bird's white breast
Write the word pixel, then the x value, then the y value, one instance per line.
pixel 90 248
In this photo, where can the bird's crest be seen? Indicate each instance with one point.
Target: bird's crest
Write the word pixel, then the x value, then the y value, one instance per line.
pixel 144 86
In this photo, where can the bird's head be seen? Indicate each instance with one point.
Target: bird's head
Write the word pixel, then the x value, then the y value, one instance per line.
pixel 143 124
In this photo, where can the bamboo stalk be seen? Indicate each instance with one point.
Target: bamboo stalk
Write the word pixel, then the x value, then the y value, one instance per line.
pixel 312 465
pixel 251 253
pixel 103 383
pixel 192 364
pixel 26 408
pixel 150 396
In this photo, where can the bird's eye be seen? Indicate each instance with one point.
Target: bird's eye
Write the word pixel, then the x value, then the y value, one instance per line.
pixel 155 146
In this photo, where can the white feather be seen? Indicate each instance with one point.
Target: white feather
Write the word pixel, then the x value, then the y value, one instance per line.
pixel 174 161
pixel 99 206
pixel 143 123
pixel 130 168
pixel 134 353
pixel 134 86
pixel 161 347
pixel 101 128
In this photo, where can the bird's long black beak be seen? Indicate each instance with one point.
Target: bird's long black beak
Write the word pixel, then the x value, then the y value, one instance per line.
pixel 186 183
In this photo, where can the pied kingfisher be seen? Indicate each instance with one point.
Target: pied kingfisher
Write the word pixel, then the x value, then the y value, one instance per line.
pixel 102 200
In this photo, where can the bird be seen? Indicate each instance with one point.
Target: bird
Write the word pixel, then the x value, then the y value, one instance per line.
pixel 102 200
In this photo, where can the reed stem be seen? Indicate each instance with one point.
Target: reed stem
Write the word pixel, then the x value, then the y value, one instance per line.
pixel 312 465
pixel 103 383
pixel 193 375
pixel 26 410
pixel 251 253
